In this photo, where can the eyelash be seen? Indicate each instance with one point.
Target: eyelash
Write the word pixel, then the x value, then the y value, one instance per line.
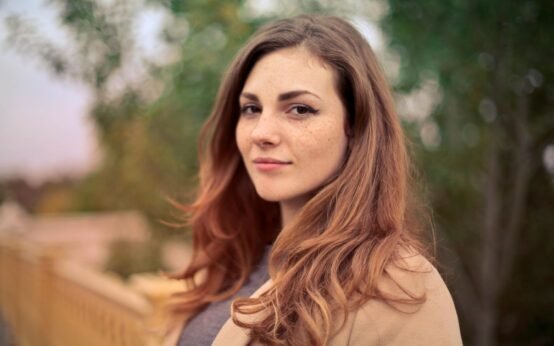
pixel 308 109
pixel 251 109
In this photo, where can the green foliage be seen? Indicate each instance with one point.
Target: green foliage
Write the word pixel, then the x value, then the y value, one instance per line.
pixel 489 187
pixel 127 258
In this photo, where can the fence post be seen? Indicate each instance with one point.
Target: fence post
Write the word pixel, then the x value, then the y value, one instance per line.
pixel 157 290
pixel 46 262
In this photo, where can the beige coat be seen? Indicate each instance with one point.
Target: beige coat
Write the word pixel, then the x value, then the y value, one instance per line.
pixel 431 323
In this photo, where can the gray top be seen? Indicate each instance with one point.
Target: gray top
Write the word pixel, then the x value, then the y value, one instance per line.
pixel 202 329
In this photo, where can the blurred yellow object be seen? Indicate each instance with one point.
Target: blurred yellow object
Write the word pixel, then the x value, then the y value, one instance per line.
pixel 47 300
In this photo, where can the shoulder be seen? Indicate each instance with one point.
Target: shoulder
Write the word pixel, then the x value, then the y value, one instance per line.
pixel 420 310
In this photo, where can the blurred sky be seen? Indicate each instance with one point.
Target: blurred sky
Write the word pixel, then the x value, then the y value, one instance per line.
pixel 44 129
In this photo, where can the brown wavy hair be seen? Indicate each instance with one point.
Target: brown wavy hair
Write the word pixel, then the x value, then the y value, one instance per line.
pixel 329 259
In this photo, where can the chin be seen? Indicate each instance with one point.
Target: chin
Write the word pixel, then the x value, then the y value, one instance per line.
pixel 271 195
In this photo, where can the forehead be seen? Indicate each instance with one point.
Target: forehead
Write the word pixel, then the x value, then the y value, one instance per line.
pixel 291 68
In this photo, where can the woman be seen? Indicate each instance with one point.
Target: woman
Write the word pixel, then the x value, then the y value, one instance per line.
pixel 302 229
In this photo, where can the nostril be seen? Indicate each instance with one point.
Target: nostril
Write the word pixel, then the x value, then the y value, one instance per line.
pixel 266 143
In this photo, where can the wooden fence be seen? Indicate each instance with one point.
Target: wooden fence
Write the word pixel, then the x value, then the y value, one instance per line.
pixel 48 301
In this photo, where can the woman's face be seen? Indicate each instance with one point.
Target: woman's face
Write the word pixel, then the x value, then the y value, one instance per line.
pixel 291 130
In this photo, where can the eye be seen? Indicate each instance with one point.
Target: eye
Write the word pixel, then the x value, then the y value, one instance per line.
pixel 250 109
pixel 302 109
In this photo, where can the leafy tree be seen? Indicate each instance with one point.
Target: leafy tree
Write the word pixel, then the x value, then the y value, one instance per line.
pixel 485 171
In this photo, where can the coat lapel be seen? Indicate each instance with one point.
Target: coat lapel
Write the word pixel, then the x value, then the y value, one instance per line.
pixel 231 334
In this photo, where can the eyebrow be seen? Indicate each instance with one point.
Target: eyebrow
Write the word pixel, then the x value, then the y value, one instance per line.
pixel 282 97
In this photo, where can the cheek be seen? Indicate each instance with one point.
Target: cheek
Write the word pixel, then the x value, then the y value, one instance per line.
pixel 328 145
pixel 322 156
pixel 329 154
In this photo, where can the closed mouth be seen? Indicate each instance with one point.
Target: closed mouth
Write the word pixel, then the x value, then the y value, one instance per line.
pixel 267 165
pixel 264 160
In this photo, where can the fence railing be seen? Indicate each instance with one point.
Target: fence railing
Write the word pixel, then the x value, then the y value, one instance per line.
pixel 46 300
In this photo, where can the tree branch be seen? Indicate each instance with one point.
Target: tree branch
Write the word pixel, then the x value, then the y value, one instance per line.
pixel 520 185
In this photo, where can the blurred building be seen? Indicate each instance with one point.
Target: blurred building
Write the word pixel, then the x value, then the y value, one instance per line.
pixel 83 237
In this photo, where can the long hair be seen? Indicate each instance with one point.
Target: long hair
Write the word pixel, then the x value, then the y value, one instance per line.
pixel 329 259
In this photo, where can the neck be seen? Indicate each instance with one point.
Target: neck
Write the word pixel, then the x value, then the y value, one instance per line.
pixel 289 209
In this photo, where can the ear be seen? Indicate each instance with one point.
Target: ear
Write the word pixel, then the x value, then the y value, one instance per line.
pixel 349 136
pixel 348 130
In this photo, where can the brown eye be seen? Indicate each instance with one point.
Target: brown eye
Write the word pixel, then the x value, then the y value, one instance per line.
pixel 303 110
pixel 250 109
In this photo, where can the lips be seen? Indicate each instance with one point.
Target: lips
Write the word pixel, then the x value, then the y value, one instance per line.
pixel 269 160
pixel 267 164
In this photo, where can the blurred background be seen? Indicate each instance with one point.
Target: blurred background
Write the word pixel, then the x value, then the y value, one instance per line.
pixel 101 102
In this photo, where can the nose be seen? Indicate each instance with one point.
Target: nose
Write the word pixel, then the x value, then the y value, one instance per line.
pixel 265 132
